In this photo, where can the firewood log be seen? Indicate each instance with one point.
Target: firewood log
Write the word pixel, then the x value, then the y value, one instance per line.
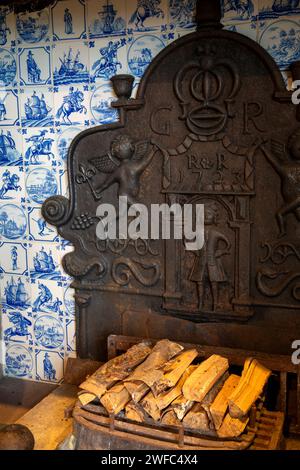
pixel 134 412
pixel 220 404
pixel 170 419
pixel 197 418
pixel 143 377
pixel 232 427
pixel 211 395
pixel 164 399
pixel 250 387
pixel 204 378
pixel 116 369
pixel 181 406
pixel 115 399
pixel 150 406
pixel 173 370
pixel 86 397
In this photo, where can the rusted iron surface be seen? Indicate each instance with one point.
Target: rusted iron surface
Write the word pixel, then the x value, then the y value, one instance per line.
pixel 212 123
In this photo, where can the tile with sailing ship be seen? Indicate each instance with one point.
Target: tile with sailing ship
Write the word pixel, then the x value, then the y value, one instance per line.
pixel 17 326
pixel 8 68
pixel 15 292
pixel 13 258
pixel 39 147
pixel 33 27
pixel 11 147
pixel 13 221
pixel 38 228
pixel 7 26
pixel 106 18
pixel 63 141
pixel 18 361
pixel 47 297
pixel 41 183
pixel 100 105
pixel 48 332
pixel 281 39
pixel 69 301
pixel 11 184
pixel 71 105
pixel 36 107
pixel 49 366
pixel 182 13
pixel 71 335
pixel 107 58
pixel 150 15
pixel 44 261
pixel 9 107
pixel 235 11
pixel 141 50
pixel 35 65
pixel 278 8
pixel 68 20
pixel 70 63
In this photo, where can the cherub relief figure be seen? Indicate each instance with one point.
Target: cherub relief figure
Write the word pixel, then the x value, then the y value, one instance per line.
pixel 208 267
pixel 125 164
pixel 289 172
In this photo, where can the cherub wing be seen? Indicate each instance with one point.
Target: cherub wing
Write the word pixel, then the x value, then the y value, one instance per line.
pixel 105 163
pixel 141 149
pixel 279 150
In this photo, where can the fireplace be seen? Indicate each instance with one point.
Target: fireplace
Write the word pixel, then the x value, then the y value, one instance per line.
pixel 212 123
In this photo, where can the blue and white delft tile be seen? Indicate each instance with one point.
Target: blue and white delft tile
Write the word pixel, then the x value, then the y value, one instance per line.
pixel 9 107
pixel 44 261
pixel 69 301
pixel 281 40
pixel 48 332
pixel 64 183
pixel 106 18
pixel 36 107
pixel 69 20
pixel 107 58
pixel 183 13
pixel 10 147
pixel 64 140
pixel 71 335
pixel 141 51
pixel 15 292
pixel 33 27
pixel 11 184
pixel 13 221
pixel 246 29
pixel 7 26
pixel 18 361
pixel 39 230
pixel 150 16
pixel 47 297
pixel 17 326
pixel 239 10
pixel 70 63
pixel 8 68
pixel 100 105
pixel 35 65
pixel 49 366
pixel 277 8
pixel 13 258
pixel 41 183
pixel 39 147
pixel 71 106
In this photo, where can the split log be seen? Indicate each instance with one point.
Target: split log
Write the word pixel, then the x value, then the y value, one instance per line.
pixel 170 419
pixel 197 418
pixel 134 412
pixel 173 370
pixel 232 427
pixel 220 405
pixel 164 399
pixel 86 397
pixel 115 399
pixel 204 378
pixel 250 387
pixel 150 406
pixel 211 395
pixel 116 369
pixel 181 406
pixel 144 376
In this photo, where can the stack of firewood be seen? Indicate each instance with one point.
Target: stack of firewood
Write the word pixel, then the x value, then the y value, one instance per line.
pixel 165 384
